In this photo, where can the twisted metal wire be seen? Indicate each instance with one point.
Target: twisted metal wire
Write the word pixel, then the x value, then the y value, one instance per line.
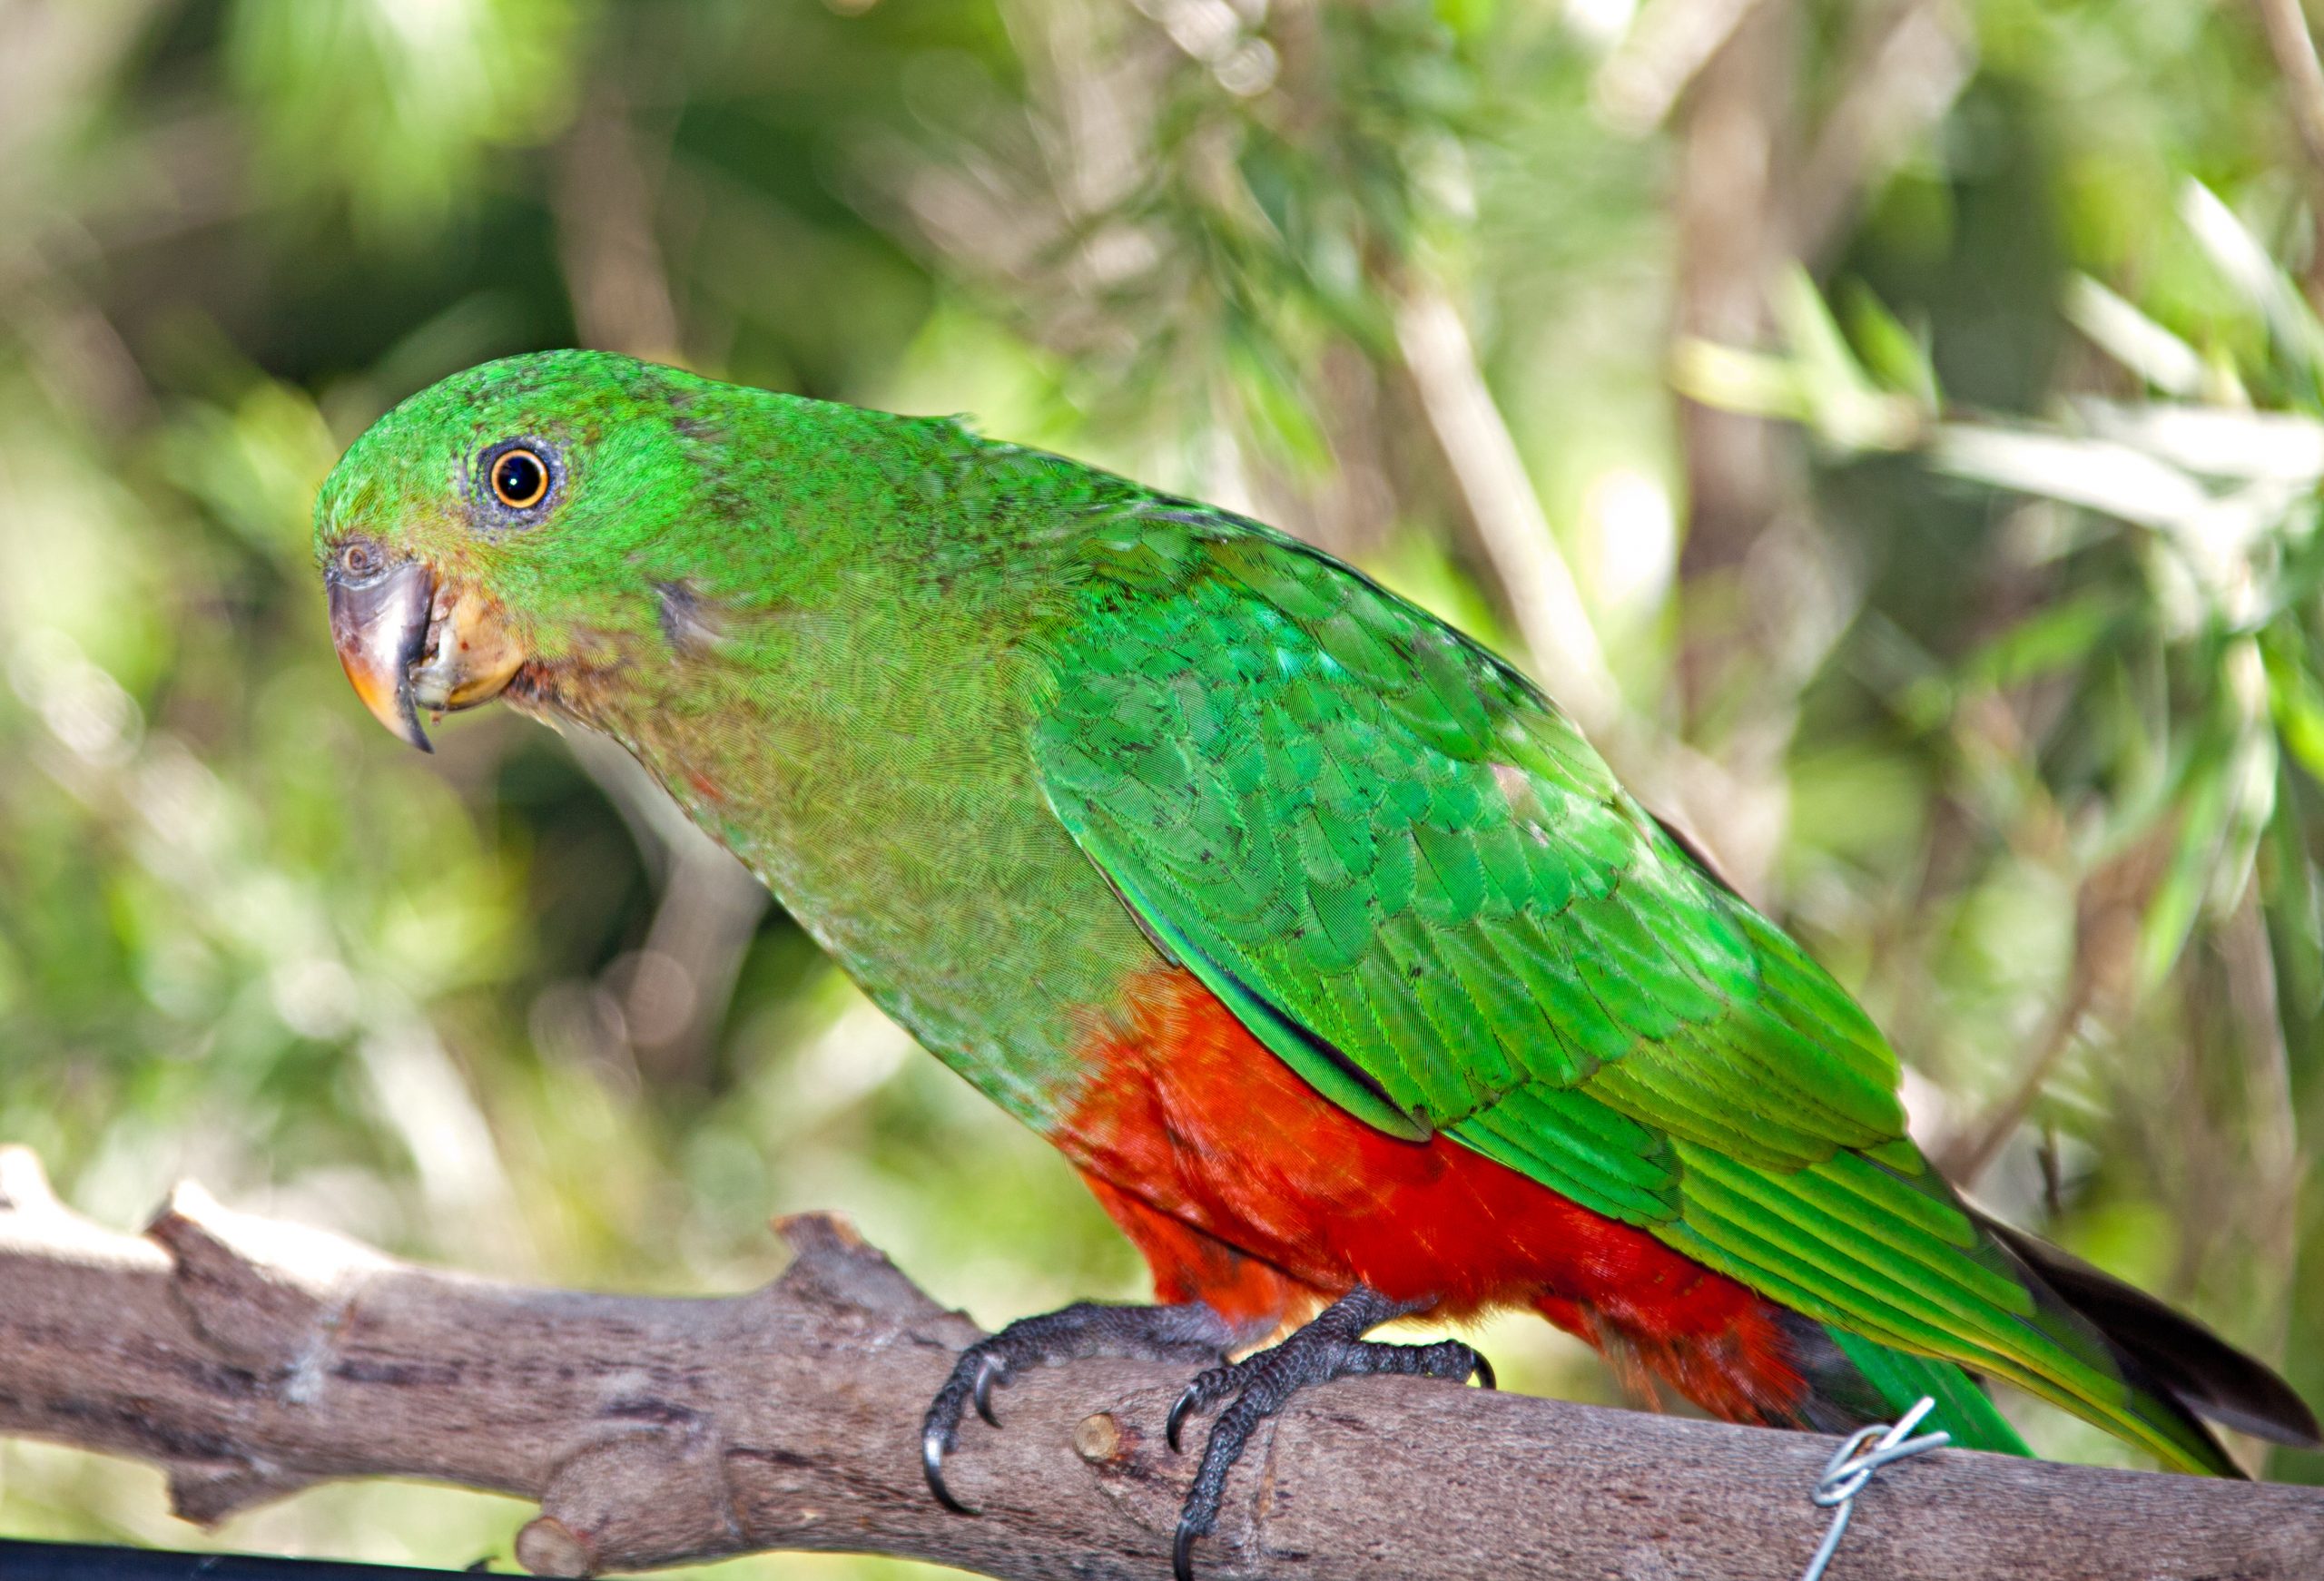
pixel 1853 1466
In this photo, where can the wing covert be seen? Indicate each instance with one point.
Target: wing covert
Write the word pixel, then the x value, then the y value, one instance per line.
pixel 1410 873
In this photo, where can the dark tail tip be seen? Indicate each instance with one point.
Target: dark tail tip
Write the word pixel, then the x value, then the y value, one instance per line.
pixel 2202 1371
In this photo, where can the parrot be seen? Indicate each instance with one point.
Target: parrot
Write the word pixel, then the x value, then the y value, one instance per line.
pixel 1310 931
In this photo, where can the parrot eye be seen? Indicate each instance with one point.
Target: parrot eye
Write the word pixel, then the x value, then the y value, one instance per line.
pixel 519 478
pixel 520 481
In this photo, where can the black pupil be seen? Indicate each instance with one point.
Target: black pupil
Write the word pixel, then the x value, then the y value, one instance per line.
pixel 519 478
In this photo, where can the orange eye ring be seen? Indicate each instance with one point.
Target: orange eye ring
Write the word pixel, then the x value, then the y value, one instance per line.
pixel 519 478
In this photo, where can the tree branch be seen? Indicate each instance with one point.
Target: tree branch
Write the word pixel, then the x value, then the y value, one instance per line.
pixel 251 1359
pixel 1483 455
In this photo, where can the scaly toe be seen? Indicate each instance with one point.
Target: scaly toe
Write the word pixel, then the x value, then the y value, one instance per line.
pixel 1330 1347
pixel 1207 1391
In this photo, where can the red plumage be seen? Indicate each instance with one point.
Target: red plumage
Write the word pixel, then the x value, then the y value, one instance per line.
pixel 1245 1188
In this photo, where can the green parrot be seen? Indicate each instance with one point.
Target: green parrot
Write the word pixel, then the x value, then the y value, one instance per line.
pixel 1316 937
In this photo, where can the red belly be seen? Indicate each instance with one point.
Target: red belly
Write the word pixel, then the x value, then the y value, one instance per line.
pixel 1245 1188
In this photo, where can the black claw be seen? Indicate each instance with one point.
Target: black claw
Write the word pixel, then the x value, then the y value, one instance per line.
pixel 1179 1414
pixel 987 1375
pixel 1181 1552
pixel 932 1461
pixel 1485 1378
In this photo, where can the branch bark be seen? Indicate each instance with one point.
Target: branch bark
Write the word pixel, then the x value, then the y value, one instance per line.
pixel 251 1358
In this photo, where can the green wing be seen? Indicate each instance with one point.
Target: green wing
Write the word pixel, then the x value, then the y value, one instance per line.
pixel 1415 882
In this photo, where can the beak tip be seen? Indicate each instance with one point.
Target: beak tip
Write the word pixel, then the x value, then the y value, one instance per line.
pixel 393 709
pixel 402 718
pixel 407 727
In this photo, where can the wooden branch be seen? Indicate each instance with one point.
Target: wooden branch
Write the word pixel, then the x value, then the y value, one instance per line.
pixel 251 1359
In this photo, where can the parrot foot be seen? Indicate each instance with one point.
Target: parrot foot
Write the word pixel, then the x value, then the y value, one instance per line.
pixel 1188 1332
pixel 1330 1347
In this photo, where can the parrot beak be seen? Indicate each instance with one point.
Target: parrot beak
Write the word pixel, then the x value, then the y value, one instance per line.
pixel 409 641
pixel 379 625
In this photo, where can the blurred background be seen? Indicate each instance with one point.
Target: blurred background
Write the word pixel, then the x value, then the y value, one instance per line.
pixel 1892 425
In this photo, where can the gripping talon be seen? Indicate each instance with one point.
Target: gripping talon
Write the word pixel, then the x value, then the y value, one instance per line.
pixel 1329 1346
pixel 1183 1332
pixel 1179 1414
pixel 932 1461
pixel 1181 1552
pixel 990 1372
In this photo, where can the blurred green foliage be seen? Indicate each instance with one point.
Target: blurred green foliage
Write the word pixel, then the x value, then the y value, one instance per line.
pixel 2012 699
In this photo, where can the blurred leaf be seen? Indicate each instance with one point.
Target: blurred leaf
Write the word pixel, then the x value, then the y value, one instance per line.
pixel 1895 356
pixel 2132 338
pixel 2297 698
pixel 256 467
pixel 2066 634
pixel 1749 382
pixel 1846 407
pixel 394 104
pixel 2215 441
pixel 2248 267
pixel 2099 474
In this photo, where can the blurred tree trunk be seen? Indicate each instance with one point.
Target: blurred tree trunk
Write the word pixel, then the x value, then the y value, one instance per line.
pixel 1733 143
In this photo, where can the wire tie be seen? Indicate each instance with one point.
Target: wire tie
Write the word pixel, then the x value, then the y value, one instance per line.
pixel 1851 1467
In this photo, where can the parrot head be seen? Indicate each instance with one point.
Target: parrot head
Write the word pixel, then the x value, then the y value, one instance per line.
pixel 505 522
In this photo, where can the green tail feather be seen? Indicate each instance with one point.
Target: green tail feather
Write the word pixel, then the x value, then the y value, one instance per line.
pixel 2144 1414
pixel 1901 1379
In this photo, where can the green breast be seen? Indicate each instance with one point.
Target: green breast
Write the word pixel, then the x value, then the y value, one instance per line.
pixel 867 759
